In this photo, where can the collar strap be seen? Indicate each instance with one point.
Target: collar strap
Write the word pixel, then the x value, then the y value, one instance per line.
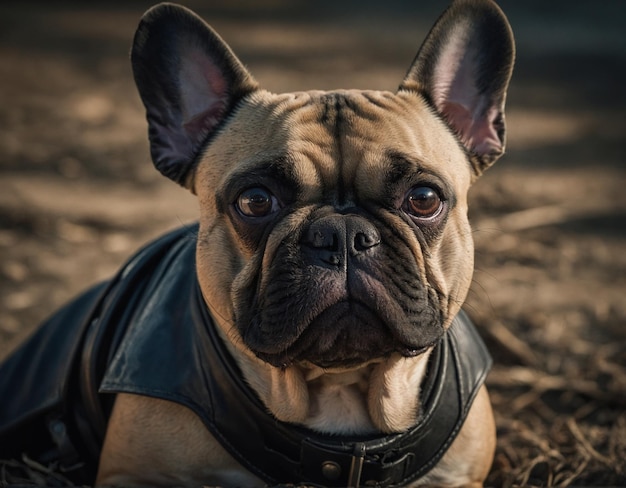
pixel 279 452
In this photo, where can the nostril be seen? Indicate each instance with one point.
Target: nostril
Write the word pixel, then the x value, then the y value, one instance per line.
pixel 324 240
pixel 324 249
pixel 364 241
pixel 327 233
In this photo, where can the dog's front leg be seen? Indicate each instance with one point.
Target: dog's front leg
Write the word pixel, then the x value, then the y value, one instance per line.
pixel 467 462
pixel 152 442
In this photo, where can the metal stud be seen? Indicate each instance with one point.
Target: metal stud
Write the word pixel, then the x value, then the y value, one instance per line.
pixel 331 470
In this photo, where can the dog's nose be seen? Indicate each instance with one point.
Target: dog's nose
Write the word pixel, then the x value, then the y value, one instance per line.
pixel 334 239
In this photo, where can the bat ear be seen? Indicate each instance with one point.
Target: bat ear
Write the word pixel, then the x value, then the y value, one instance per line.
pixel 463 69
pixel 189 81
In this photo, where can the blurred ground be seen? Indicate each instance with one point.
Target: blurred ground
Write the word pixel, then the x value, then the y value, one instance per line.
pixel 78 193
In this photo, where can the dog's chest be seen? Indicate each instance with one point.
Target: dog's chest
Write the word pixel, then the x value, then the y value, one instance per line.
pixel 339 403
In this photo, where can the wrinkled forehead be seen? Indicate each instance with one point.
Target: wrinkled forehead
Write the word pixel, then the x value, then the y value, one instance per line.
pixel 351 137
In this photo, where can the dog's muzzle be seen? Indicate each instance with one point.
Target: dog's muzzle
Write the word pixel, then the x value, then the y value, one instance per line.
pixel 345 293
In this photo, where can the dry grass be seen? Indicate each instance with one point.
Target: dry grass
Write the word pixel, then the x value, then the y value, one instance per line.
pixel 561 428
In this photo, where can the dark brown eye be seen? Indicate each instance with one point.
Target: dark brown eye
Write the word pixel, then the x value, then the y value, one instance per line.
pixel 423 202
pixel 257 202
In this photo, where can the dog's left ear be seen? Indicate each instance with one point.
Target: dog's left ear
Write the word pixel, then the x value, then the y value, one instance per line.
pixel 463 69
pixel 189 81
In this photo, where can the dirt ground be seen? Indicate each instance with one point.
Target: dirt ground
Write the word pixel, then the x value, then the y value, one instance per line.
pixel 78 193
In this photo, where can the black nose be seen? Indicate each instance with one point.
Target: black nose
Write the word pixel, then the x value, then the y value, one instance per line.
pixel 334 239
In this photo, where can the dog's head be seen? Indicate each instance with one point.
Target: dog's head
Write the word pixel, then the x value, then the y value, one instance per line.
pixel 333 225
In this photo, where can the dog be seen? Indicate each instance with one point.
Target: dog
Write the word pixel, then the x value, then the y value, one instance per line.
pixel 308 331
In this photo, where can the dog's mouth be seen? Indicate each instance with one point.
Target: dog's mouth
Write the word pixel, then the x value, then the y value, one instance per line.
pixel 346 335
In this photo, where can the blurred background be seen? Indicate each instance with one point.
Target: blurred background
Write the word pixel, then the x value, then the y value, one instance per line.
pixel 78 193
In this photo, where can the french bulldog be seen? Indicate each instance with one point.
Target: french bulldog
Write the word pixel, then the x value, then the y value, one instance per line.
pixel 332 257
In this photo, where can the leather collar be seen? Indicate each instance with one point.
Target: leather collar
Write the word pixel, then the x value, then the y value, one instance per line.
pixel 286 453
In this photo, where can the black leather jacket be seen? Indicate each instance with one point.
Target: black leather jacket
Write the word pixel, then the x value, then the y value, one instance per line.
pixel 147 331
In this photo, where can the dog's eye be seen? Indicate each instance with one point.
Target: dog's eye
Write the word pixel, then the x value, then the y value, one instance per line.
pixel 423 202
pixel 257 202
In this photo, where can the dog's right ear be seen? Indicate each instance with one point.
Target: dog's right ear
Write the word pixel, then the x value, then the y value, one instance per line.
pixel 189 81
